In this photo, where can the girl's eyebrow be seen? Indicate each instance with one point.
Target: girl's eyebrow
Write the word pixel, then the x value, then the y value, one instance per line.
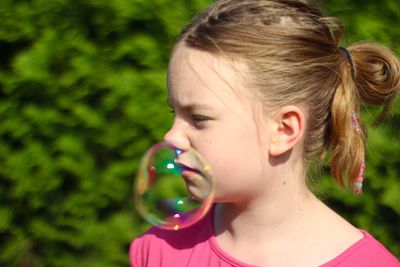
pixel 188 106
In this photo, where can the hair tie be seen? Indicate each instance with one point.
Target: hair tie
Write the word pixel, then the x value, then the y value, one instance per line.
pixel 357 185
pixel 347 55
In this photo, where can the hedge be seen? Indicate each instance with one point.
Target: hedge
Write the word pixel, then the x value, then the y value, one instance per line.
pixel 82 96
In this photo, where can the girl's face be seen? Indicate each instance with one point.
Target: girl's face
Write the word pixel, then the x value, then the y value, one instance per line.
pixel 215 115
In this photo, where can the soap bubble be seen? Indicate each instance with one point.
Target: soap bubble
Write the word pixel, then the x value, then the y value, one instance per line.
pixel 173 187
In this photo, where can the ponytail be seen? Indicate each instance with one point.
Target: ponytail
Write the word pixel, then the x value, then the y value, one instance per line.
pixel 378 75
pixel 369 74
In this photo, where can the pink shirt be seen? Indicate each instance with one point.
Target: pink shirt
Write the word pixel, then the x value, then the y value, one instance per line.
pixel 196 246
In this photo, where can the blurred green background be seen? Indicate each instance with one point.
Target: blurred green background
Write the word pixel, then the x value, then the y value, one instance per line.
pixel 82 96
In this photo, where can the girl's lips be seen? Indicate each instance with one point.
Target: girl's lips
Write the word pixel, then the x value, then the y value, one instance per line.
pixel 187 169
pixel 189 174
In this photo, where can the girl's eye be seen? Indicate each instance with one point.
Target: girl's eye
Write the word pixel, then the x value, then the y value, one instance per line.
pixel 199 119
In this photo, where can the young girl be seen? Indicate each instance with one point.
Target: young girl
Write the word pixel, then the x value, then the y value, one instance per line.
pixel 261 88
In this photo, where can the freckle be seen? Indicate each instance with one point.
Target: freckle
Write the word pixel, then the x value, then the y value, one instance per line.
pixel 284 182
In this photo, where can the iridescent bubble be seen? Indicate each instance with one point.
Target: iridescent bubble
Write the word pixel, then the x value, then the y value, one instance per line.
pixel 174 187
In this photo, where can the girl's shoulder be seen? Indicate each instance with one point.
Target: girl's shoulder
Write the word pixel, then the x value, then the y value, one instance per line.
pixel 366 252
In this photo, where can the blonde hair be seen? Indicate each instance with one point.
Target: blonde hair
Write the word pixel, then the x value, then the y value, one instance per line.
pixel 292 51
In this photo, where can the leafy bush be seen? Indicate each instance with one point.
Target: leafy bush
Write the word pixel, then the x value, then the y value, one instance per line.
pixel 82 96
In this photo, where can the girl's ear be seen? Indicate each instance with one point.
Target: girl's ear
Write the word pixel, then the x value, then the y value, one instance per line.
pixel 288 131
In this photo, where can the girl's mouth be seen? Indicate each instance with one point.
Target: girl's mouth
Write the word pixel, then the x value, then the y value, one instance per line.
pixel 187 169
pixel 198 184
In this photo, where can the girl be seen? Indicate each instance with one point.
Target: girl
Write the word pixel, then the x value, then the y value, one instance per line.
pixel 261 88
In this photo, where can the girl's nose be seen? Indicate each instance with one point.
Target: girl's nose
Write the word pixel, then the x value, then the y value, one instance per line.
pixel 177 136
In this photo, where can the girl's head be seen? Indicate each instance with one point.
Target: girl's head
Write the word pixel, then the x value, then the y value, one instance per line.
pixel 291 57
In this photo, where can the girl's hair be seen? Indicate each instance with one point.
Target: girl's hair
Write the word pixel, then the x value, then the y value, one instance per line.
pixel 293 55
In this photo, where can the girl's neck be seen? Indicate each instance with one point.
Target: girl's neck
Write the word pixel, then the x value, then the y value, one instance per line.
pixel 283 230
pixel 266 218
pixel 284 199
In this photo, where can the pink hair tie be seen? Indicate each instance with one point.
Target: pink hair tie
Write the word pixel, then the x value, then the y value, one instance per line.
pixel 357 185
pixel 354 121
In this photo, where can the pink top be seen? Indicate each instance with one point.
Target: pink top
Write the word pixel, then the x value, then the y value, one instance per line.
pixel 196 246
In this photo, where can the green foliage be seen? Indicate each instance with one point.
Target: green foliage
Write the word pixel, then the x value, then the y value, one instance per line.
pixel 82 96
pixel 82 87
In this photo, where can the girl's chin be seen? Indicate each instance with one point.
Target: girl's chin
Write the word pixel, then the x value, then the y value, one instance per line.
pixel 198 187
